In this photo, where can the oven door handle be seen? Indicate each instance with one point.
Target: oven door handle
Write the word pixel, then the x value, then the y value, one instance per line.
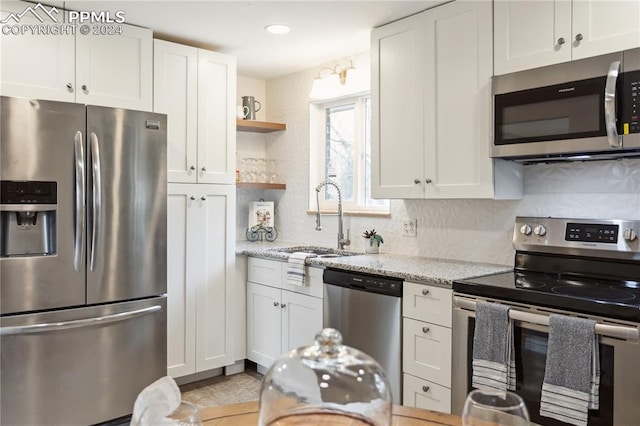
pixel 607 330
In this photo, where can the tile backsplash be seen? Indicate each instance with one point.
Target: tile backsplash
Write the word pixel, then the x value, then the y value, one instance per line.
pixel 470 230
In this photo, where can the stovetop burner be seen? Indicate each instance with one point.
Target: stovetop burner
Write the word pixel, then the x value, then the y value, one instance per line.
pixel 601 294
pixel 525 282
pixel 613 299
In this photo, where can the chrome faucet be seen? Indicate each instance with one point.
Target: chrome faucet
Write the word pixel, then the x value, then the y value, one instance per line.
pixel 342 241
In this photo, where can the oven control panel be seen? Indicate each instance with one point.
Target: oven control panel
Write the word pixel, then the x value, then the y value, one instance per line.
pixel 600 238
pixel 593 233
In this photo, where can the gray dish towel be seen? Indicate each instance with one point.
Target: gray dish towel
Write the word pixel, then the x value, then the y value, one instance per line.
pixel 493 350
pixel 295 268
pixel 572 372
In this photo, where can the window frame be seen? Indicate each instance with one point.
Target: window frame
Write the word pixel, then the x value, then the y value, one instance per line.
pixel 318 123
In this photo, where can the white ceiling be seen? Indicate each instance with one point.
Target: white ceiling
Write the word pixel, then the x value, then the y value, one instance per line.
pixel 321 31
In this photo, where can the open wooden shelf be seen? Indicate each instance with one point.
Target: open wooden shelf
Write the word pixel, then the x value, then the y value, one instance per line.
pixel 259 126
pixel 260 185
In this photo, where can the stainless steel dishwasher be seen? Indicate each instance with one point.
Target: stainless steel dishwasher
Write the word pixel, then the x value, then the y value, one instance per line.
pixel 367 310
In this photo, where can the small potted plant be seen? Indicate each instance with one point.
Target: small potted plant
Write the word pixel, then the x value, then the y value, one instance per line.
pixel 375 240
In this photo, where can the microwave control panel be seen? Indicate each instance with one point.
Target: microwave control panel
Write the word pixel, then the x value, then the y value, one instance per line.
pixel 630 122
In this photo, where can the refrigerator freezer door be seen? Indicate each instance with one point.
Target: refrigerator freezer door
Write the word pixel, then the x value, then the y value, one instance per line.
pixel 81 366
pixel 127 195
pixel 43 141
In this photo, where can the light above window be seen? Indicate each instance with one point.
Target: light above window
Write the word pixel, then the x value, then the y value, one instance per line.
pixel 342 80
pixel 277 29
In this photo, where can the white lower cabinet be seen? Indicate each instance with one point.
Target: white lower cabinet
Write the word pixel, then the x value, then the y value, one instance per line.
pixel 279 320
pixel 427 351
pixel 426 346
pixel 200 276
pixel 425 394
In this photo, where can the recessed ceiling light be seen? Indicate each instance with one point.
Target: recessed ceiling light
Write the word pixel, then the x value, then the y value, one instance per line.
pixel 277 29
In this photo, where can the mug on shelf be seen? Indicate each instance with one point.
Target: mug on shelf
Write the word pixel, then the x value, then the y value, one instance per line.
pixel 249 107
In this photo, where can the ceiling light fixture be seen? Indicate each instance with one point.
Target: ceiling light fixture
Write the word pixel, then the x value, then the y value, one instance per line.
pixel 277 29
pixel 333 83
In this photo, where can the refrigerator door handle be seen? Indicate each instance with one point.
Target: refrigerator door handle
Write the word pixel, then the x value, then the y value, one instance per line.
pixel 97 197
pixel 80 200
pixel 88 322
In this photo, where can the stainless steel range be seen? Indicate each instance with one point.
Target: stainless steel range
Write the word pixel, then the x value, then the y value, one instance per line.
pixel 576 267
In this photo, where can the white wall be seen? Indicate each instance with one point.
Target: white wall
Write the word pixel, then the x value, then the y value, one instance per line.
pixel 476 230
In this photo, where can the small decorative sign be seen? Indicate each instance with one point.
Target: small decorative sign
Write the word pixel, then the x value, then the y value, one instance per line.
pixel 261 221
pixel 261 214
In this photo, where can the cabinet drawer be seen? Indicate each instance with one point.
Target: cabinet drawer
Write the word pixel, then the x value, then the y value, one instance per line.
pixel 424 394
pixel 427 303
pixel 313 281
pixel 426 351
pixel 263 271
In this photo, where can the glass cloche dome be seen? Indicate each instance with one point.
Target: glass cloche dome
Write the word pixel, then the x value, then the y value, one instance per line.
pixel 326 383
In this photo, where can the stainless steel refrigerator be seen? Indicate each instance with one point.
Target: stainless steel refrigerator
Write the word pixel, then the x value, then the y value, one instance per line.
pixel 82 260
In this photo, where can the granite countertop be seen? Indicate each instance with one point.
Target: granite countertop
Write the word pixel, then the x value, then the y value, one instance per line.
pixel 424 270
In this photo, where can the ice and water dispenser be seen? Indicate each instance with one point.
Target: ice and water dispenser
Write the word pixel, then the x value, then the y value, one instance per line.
pixel 28 211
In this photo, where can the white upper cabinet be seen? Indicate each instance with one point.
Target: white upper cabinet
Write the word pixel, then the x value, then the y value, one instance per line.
pixel 457 98
pixel 38 67
pixel 216 117
pixel 605 26
pixel 397 132
pixel 196 89
pixel 431 107
pixel 175 93
pixel 530 34
pixel 113 70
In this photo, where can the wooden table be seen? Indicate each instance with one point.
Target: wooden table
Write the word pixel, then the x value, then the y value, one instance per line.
pixel 246 414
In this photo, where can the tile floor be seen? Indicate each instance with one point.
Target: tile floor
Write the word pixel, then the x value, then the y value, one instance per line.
pixel 221 390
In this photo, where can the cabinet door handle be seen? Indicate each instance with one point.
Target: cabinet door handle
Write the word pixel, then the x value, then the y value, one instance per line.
pixel 192 198
pixel 561 41
pixel 425 291
pixel 427 180
pixel 425 388
pixel 579 37
pixel 416 181
pixel 204 169
pixel 192 168
pixel 284 305
pixel 70 87
pixel 425 330
pixel 276 304
pixel 203 198
pixel 84 88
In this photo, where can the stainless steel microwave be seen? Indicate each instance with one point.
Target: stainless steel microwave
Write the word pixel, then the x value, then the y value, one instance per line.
pixel 578 110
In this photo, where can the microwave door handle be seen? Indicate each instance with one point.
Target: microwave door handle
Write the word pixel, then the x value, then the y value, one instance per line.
pixel 97 197
pixel 615 140
pixel 80 220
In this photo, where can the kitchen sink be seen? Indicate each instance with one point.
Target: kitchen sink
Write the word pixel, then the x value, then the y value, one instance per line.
pixel 323 252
